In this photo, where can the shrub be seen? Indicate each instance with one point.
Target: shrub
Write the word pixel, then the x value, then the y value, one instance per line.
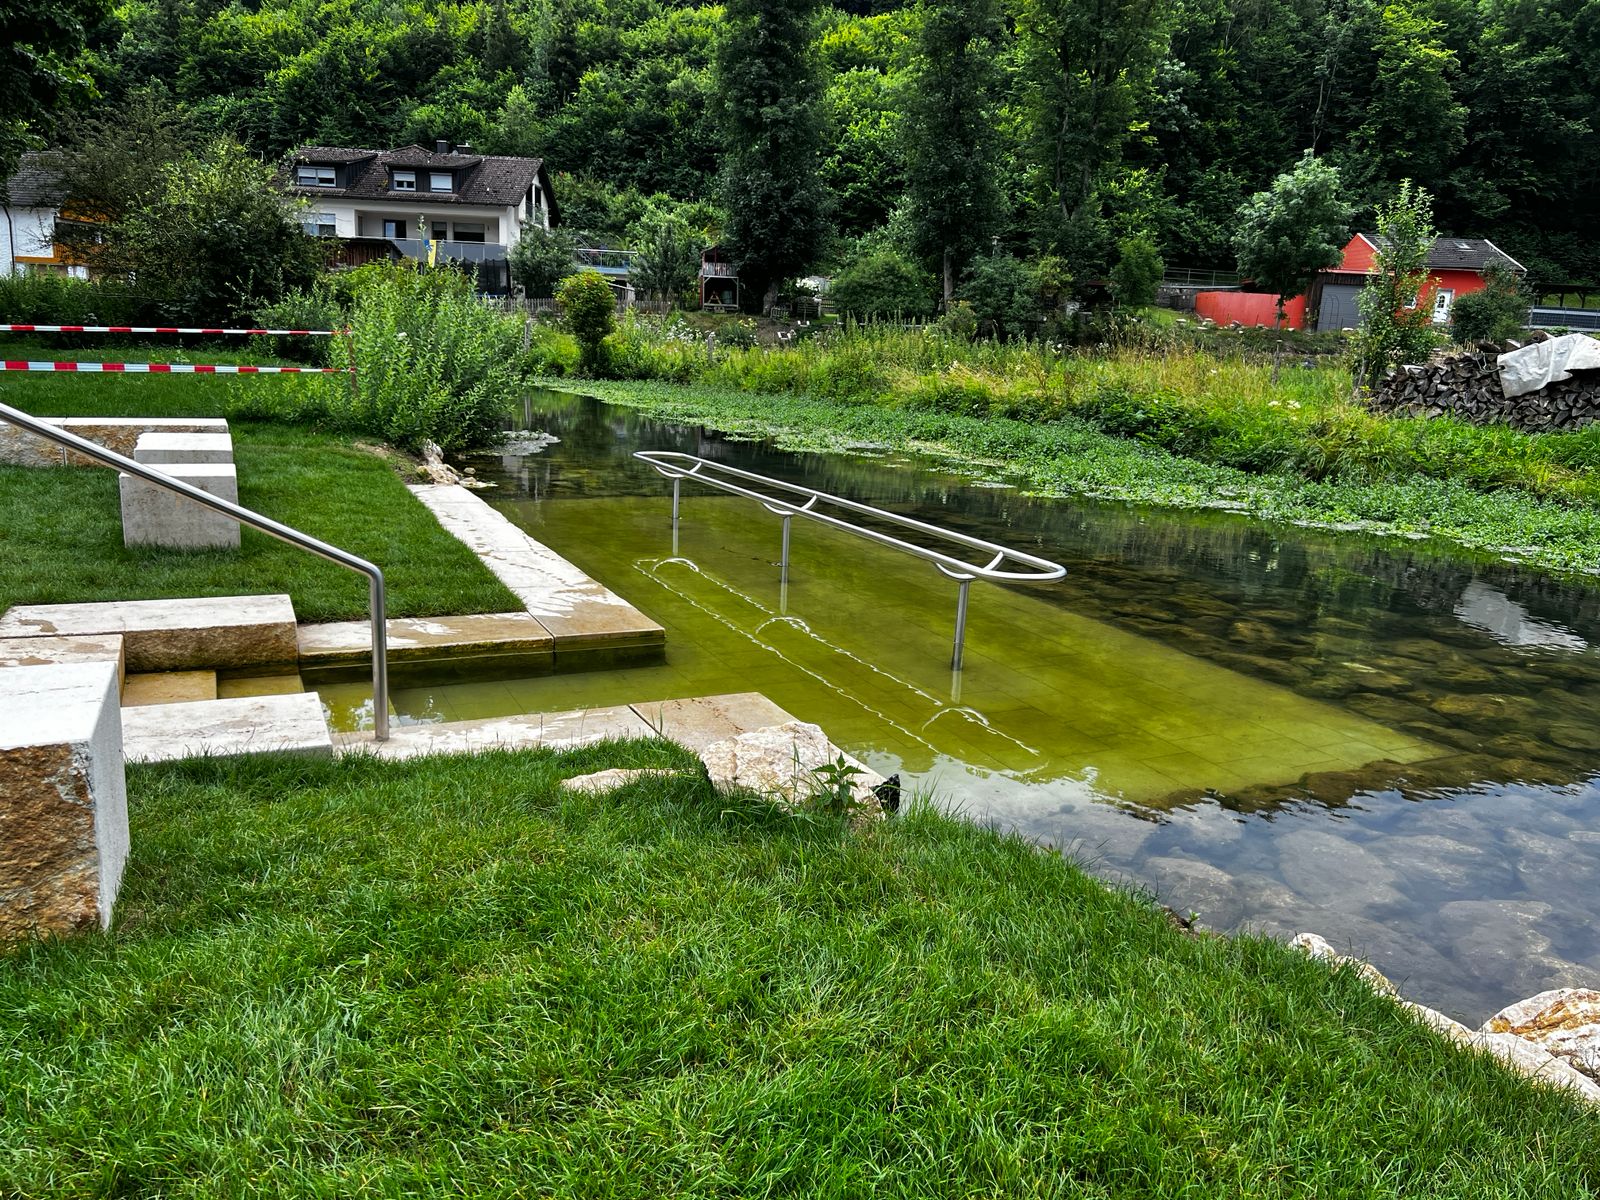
pixel 1001 291
pixel 1138 272
pixel 542 258
pixel 61 300
pixel 1498 312
pixel 882 284
pixel 432 363
pixel 318 307
pixel 590 311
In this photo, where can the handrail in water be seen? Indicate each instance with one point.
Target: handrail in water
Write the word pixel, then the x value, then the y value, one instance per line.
pixel 284 533
pixel 795 500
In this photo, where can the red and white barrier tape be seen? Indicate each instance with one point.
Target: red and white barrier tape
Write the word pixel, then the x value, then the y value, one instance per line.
pixel 165 329
pixel 167 368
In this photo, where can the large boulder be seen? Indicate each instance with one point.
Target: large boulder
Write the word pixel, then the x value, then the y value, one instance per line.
pixel 788 764
pixel 1565 1022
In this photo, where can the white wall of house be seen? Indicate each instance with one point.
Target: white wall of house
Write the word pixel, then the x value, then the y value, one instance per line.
pixel 29 231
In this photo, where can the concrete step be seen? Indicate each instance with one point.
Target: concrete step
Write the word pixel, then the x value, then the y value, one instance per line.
pixel 219 633
pixel 552 731
pixel 585 619
pixel 168 687
pixel 481 646
pixel 243 725
pixel 160 449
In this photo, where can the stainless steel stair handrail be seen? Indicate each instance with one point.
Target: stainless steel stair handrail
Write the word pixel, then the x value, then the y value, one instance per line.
pixel 807 502
pixel 284 533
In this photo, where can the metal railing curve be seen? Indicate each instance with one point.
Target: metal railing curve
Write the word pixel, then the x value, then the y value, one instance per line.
pixel 284 533
pixel 789 500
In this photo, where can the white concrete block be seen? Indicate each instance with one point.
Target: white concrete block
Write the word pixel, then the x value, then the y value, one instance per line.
pixel 292 724
pixel 63 801
pixel 158 449
pixel 153 516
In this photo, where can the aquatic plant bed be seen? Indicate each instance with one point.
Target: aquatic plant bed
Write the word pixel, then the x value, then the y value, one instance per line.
pixel 1068 455
pixel 351 977
pixel 61 536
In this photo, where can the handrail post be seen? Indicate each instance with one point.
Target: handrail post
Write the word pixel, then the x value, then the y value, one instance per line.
pixel 676 485
pixel 961 626
pixel 236 512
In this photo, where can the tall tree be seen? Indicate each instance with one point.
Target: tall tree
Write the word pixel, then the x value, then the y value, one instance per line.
pixel 771 142
pixel 1396 304
pixel 1289 232
pixel 40 41
pixel 949 134
pixel 1087 70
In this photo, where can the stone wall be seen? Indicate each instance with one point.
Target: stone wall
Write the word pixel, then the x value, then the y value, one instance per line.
pixel 1467 385
pixel 19 448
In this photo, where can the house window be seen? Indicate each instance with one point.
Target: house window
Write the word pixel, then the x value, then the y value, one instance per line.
pixel 441 181
pixel 467 231
pixel 320 225
pixel 394 229
pixel 403 181
pixel 316 177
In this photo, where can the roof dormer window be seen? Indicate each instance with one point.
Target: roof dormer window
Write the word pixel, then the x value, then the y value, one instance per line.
pixel 314 176
pixel 403 181
pixel 441 181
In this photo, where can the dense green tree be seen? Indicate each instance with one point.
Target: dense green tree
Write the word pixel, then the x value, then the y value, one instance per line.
pixel 771 142
pixel 951 179
pixel 882 284
pixel 589 308
pixel 667 261
pixel 40 41
pixel 1137 272
pixel 542 258
pixel 1289 232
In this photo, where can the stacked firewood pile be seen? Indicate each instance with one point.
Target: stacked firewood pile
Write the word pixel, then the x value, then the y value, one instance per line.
pixel 1467 385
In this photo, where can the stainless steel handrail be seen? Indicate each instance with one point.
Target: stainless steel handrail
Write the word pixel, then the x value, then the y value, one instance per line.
pixel 284 533
pixel 806 502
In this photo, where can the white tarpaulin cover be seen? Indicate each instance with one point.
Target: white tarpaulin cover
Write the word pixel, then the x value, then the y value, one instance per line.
pixel 1533 367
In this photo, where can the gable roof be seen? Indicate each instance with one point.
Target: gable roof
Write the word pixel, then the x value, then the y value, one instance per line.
pixel 494 180
pixel 1447 254
pixel 34 185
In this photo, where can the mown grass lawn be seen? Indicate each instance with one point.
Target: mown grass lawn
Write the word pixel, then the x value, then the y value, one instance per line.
pixel 350 978
pixel 61 530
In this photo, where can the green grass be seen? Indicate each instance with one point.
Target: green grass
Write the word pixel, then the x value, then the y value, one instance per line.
pixel 1069 455
pixel 61 530
pixel 350 978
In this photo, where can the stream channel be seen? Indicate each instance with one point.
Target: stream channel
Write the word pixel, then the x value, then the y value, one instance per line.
pixel 1274 728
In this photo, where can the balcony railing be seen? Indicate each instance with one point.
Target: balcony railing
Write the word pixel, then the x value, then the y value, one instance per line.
pixel 459 251
pixel 716 270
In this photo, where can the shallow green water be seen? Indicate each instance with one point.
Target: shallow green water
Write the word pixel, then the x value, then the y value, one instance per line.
pixel 1278 729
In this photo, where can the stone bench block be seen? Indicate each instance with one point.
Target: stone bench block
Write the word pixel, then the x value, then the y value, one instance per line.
pixel 153 516
pixel 292 724
pixel 213 633
pixel 159 449
pixel 19 448
pixel 63 802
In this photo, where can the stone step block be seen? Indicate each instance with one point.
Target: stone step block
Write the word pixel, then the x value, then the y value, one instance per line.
pixel 218 633
pixel 44 651
pixel 20 448
pixel 478 646
pixel 555 731
pixel 161 449
pixel 63 802
pixel 243 725
pixel 153 516
pixel 260 685
pixel 168 687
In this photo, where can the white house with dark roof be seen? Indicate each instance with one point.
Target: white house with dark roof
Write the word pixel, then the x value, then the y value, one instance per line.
pixel 29 210
pixel 414 202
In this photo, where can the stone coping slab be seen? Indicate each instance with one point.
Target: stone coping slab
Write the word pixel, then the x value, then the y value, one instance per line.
pixel 552 731
pixel 20 448
pixel 699 721
pixel 45 651
pixel 580 613
pixel 476 642
pixel 159 449
pixel 214 633
pixel 63 801
pixel 292 724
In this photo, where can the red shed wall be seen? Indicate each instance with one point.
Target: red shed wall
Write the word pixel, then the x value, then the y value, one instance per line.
pixel 1250 308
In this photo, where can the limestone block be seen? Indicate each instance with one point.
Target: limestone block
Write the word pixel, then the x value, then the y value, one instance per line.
pixel 153 516
pixel 781 763
pixel 63 803
pixel 159 449
pixel 19 448
pixel 606 781
pixel 550 731
pixel 1564 1022
pixel 292 724
pixel 168 687
pixel 43 651
pixel 698 721
pixel 210 633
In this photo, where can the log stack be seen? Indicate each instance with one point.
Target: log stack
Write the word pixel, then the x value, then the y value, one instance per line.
pixel 1467 385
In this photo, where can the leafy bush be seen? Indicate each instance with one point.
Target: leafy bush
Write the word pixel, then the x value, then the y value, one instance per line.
pixel 432 363
pixel 61 300
pixel 882 284
pixel 589 309
pixel 1138 272
pixel 319 307
pixel 1000 289
pixel 1498 312
pixel 542 258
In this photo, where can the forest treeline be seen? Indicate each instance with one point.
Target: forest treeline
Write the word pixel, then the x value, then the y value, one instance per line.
pixel 1096 120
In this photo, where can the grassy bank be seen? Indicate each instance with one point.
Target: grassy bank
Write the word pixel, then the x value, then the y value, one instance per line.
pixel 448 977
pixel 1071 455
pixel 61 530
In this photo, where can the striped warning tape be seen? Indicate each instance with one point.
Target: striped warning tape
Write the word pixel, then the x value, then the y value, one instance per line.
pixel 167 368
pixel 165 329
